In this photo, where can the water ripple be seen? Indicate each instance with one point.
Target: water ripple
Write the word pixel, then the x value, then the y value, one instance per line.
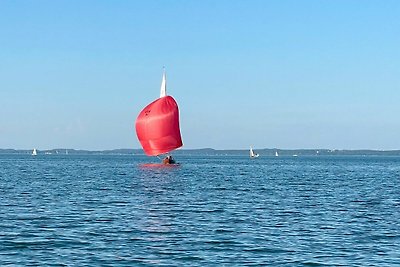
pixel 209 211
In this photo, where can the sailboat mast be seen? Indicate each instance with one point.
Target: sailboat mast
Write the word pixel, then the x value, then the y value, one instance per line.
pixel 163 90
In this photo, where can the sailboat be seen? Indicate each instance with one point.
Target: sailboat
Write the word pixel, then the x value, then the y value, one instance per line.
pixel 276 154
pixel 157 125
pixel 34 152
pixel 252 154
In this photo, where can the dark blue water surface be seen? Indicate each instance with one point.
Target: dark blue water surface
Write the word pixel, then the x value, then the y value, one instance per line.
pixel 99 210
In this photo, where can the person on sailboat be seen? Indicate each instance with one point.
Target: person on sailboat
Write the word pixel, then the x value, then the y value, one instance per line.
pixel 168 160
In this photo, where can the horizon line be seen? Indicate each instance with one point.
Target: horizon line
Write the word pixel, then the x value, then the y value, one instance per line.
pixel 217 149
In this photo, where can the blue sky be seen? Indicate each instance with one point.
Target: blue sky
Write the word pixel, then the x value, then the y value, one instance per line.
pixel 284 74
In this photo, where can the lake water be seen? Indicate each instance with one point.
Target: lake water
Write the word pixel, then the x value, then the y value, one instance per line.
pixel 106 210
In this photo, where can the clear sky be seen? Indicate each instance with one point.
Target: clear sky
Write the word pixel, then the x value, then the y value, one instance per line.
pixel 284 74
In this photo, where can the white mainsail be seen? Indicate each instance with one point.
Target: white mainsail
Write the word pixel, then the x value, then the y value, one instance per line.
pixel 163 90
pixel 34 152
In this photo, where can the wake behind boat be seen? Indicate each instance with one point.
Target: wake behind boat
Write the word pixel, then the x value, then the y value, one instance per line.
pixel 157 126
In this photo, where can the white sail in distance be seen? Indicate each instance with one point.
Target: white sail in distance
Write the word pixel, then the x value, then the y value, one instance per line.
pixel 252 154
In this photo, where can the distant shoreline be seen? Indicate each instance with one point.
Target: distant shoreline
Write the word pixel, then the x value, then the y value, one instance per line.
pixel 210 151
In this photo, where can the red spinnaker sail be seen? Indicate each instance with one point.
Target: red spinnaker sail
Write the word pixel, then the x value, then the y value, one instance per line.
pixel 157 127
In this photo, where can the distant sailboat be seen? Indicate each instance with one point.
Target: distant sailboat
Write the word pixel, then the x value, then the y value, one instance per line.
pixel 157 125
pixel 34 152
pixel 252 154
pixel 276 154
